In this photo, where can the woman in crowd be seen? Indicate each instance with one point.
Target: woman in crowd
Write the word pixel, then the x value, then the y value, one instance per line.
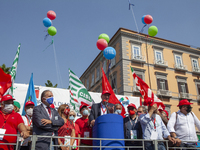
pixel 72 116
pixel 67 129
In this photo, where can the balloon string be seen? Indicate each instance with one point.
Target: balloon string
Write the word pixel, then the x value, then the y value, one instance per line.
pixel 57 66
pixel 48 45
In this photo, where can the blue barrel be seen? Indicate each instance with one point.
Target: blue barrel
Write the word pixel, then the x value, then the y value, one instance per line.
pixel 109 126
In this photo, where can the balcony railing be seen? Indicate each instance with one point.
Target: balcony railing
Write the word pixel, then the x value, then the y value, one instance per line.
pixel 184 95
pixel 161 63
pixel 180 67
pixel 139 58
pixel 162 92
pixel 196 69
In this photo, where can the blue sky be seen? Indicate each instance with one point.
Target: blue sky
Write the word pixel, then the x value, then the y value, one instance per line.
pixel 78 24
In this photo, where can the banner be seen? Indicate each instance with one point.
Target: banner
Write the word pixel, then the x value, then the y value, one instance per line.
pixel 14 70
pixel 78 93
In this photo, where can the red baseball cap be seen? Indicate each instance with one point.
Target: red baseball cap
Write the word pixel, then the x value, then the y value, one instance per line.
pixel 7 97
pixel 82 106
pixel 166 113
pixel 29 103
pixel 184 102
pixel 131 105
pixel 105 92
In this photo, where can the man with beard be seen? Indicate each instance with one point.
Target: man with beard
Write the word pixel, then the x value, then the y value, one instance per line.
pixel 181 124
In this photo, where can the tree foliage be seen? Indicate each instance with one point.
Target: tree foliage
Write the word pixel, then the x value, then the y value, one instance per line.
pixel 50 84
pixel 5 69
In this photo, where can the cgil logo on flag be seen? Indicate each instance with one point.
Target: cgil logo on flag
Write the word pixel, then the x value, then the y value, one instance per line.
pixel 78 93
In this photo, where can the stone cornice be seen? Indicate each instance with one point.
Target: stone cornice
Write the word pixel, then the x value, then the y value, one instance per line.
pixel 183 48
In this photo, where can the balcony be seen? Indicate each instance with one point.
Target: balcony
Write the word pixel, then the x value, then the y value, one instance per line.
pixel 196 70
pixel 135 90
pixel 164 93
pixel 140 59
pixel 180 67
pixel 184 95
pixel 161 63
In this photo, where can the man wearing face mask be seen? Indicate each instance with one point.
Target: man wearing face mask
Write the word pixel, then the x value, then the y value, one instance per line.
pixel 10 123
pixel 181 124
pixel 153 128
pixel 86 130
pixel 46 121
pixel 132 127
pixel 26 144
pixel 99 109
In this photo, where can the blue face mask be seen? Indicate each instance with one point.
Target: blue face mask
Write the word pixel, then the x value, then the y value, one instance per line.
pixel 118 111
pixel 50 100
pixel 71 118
pixel 85 112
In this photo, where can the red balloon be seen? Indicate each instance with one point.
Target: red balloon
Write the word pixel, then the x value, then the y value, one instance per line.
pixel 51 14
pixel 102 44
pixel 148 19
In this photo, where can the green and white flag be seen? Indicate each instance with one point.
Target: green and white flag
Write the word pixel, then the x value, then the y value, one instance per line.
pixel 78 93
pixel 14 70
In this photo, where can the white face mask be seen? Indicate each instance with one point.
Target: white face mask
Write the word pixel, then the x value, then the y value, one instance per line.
pixel 29 111
pixel 8 108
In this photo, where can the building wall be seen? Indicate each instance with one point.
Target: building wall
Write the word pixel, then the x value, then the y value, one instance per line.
pixel 123 40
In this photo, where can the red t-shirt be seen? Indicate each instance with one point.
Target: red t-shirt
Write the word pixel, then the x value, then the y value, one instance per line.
pixel 10 123
pixel 66 130
pixel 83 125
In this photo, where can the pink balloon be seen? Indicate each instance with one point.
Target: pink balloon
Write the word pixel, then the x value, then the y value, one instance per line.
pixel 102 44
pixel 148 19
pixel 51 14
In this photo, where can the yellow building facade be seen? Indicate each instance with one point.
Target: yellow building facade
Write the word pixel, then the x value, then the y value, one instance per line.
pixel 170 69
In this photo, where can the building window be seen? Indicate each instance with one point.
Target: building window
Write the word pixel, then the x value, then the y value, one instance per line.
pixel 114 84
pixel 97 74
pixel 162 84
pixel 112 61
pixel 104 66
pixel 159 57
pixel 136 52
pixel 87 83
pixel 178 59
pixel 195 64
pixel 97 89
pixel 92 81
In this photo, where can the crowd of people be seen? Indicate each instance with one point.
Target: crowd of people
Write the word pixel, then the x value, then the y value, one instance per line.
pixel 141 123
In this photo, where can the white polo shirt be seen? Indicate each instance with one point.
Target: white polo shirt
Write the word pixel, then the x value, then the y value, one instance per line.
pixel 184 126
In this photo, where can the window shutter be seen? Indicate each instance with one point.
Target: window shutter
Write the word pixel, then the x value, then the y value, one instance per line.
pixel 158 83
pixel 179 87
pixel 186 87
pixel 198 87
pixel 166 85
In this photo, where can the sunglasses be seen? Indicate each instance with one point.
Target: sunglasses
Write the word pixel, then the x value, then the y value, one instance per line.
pixel 72 115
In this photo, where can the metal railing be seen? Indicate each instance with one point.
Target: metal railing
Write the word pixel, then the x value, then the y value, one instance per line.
pixel 34 139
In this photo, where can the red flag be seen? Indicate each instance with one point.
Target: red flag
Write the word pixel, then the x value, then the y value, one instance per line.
pixel 106 86
pixel 149 97
pixel 5 82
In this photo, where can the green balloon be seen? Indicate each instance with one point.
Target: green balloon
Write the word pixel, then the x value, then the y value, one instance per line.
pixel 104 36
pixel 153 30
pixel 52 30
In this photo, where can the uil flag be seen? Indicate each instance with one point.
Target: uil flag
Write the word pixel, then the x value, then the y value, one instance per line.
pixel 78 93
pixel 30 96
pixel 147 94
pixel 5 82
pixel 113 99
pixel 14 70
